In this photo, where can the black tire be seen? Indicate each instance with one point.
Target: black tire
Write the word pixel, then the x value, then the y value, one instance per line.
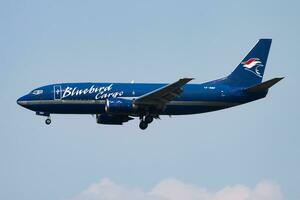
pixel 48 121
pixel 148 119
pixel 143 125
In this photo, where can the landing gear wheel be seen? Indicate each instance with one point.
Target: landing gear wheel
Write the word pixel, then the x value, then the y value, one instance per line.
pixel 143 125
pixel 148 119
pixel 48 121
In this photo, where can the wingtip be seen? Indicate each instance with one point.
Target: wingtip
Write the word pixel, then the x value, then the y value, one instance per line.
pixel 279 78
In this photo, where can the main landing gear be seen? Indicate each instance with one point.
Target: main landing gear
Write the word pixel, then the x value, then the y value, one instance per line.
pixel 145 120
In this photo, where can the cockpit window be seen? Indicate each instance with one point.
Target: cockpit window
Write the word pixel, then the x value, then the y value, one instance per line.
pixel 37 92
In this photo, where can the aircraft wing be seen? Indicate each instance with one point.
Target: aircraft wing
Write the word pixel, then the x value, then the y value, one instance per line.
pixel 161 96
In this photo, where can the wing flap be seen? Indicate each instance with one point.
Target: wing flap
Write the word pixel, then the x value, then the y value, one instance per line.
pixel 163 95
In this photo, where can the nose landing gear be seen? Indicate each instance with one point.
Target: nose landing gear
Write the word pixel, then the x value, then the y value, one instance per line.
pixel 48 121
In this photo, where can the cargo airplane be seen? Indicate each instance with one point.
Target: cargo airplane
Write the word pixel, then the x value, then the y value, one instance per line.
pixel 117 103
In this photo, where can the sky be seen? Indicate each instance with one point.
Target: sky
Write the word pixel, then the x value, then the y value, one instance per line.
pixel 249 152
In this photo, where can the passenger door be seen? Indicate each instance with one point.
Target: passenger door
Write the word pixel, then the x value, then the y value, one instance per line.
pixel 57 92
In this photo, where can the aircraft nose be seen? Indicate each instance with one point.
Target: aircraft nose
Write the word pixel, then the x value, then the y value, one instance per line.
pixel 21 101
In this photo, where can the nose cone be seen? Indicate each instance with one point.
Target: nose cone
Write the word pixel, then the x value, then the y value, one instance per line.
pixel 22 100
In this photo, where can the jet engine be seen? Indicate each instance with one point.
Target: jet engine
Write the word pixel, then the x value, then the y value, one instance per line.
pixel 119 106
pixel 112 119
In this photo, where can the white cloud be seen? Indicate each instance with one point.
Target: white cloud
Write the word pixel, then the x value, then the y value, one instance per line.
pixel 173 189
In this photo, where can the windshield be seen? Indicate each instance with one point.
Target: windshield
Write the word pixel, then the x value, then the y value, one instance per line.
pixel 37 92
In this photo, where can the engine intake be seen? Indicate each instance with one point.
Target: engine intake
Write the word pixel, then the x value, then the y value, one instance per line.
pixel 119 106
pixel 112 119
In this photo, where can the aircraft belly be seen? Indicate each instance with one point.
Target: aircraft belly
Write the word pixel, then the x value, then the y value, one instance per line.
pixel 185 110
pixel 194 107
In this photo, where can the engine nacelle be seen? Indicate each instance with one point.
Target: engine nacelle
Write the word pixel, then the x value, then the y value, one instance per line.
pixel 119 106
pixel 112 119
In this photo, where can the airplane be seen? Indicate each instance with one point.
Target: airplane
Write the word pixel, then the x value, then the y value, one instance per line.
pixel 117 103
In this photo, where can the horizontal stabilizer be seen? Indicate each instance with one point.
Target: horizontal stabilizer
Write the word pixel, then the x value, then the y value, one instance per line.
pixel 263 86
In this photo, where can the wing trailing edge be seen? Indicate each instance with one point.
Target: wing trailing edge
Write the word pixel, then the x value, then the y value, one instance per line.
pixel 163 95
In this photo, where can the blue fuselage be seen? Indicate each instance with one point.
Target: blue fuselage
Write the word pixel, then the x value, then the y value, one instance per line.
pixel 90 98
pixel 117 103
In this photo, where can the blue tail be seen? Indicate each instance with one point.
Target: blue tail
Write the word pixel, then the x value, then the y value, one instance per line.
pixel 251 70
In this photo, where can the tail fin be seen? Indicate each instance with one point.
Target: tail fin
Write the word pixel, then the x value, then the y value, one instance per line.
pixel 251 70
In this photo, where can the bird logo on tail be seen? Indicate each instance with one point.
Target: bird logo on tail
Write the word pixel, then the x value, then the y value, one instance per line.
pixel 253 65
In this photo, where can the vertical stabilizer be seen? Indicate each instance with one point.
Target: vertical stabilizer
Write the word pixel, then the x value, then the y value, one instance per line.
pixel 251 69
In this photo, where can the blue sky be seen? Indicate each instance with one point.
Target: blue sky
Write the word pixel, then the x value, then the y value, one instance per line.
pixel 245 148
